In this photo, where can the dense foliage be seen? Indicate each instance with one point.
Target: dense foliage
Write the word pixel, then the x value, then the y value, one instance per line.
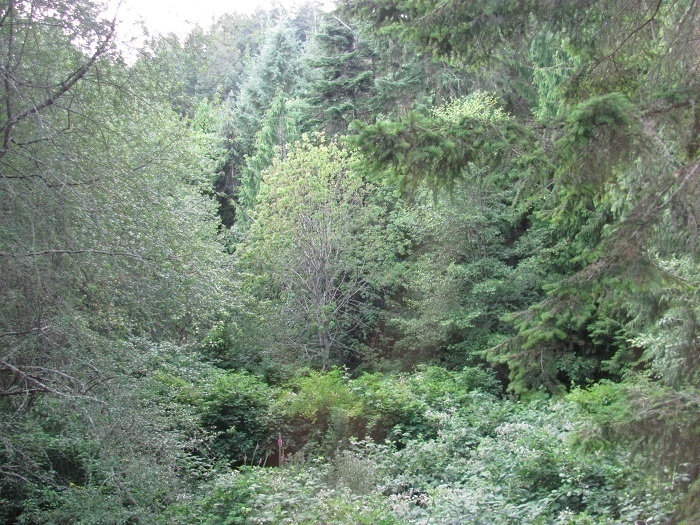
pixel 403 262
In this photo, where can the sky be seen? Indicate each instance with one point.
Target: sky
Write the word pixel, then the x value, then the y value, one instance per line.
pixel 178 16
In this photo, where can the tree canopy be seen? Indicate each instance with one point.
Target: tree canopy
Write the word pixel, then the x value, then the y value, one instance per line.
pixel 402 262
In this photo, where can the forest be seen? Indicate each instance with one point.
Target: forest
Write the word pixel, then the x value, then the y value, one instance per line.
pixel 402 262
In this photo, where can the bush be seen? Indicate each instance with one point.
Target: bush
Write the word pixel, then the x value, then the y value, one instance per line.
pixel 295 494
pixel 504 462
pixel 455 453
pixel 390 408
pixel 322 412
pixel 243 412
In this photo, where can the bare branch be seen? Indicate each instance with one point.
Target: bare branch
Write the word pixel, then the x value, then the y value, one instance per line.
pixel 71 252
pixel 24 332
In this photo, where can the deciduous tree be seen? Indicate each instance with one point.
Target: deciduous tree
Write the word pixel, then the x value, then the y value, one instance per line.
pixel 106 249
pixel 322 247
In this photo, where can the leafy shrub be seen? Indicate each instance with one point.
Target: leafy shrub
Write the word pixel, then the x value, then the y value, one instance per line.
pixel 453 455
pixel 321 411
pixel 437 385
pixel 390 408
pixel 327 409
pixel 398 407
pixel 243 412
pixel 506 463
pixel 295 494
pixel 352 471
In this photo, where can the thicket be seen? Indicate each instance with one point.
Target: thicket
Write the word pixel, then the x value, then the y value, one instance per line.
pixel 404 262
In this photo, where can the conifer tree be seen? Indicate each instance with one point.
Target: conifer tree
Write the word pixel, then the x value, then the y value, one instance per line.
pixel 280 129
pixel 274 74
pixel 614 175
pixel 344 73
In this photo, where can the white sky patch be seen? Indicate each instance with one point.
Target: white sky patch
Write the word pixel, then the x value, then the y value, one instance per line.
pixel 180 16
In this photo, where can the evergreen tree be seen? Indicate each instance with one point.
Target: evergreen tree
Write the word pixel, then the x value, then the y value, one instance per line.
pixel 276 72
pixel 280 129
pixel 344 72
pixel 598 213
pixel 615 91
pixel 220 55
